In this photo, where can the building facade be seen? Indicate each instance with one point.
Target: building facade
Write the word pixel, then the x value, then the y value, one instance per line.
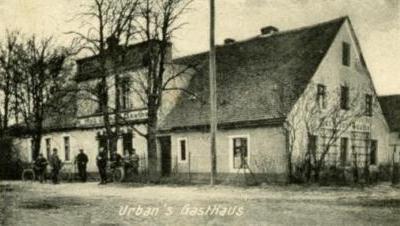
pixel 280 94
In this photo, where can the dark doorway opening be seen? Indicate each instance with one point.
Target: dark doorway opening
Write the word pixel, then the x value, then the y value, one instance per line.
pixel 165 147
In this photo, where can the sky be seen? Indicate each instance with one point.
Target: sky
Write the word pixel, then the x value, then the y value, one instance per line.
pixel 376 22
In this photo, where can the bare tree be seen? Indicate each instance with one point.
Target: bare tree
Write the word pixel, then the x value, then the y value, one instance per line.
pixel 44 74
pixel 158 22
pixel 9 77
pixel 107 22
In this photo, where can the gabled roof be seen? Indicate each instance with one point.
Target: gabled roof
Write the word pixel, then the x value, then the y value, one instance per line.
pixel 250 72
pixel 391 110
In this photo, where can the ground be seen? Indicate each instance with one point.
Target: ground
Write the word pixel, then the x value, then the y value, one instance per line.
pixel 25 203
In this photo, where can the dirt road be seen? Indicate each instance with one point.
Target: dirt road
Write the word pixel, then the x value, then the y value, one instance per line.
pixel 113 204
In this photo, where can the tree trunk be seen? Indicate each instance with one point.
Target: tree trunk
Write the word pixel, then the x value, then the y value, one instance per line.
pixel 154 173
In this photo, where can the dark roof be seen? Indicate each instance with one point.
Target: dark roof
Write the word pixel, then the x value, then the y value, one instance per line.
pixel 135 55
pixel 391 110
pixel 249 74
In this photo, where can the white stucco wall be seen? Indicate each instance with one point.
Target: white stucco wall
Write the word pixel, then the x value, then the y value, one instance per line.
pixel 265 145
pixel 332 73
pixel 79 139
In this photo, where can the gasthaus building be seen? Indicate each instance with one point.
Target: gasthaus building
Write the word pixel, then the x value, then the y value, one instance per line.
pixel 263 83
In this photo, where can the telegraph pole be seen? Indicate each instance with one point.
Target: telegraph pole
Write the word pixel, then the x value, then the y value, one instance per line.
pixel 213 95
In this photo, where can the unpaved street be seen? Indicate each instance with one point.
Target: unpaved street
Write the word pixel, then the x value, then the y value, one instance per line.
pixel 91 204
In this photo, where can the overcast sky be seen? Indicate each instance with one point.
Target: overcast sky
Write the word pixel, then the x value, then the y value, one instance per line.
pixel 376 22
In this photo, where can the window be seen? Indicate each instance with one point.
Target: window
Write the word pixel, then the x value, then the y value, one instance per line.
pixel 368 105
pixel 240 152
pixel 344 141
pixel 67 148
pixel 344 97
pixel 182 150
pixel 124 89
pixel 312 144
pixel 100 97
pixel 373 152
pixel 127 143
pixel 346 54
pixel 48 148
pixel 321 95
pixel 32 150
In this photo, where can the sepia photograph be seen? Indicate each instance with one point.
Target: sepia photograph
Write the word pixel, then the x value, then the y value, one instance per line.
pixel 199 112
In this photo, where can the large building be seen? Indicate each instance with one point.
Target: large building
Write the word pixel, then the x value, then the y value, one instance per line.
pixel 273 89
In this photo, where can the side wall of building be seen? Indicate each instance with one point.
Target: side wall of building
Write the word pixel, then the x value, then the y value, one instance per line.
pixel 333 74
pixel 79 139
pixel 266 147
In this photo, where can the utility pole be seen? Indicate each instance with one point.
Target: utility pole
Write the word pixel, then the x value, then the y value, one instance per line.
pixel 213 95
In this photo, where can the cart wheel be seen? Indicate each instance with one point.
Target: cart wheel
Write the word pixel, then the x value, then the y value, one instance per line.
pixel 119 174
pixel 28 175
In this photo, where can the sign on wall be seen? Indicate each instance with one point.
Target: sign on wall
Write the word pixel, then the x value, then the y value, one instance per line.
pixel 126 117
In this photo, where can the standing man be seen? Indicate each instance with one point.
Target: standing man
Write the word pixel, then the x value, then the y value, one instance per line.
pixel 81 161
pixel 40 167
pixel 135 162
pixel 55 164
pixel 101 161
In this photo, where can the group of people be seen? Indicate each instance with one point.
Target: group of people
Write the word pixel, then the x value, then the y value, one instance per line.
pixel 129 161
pixel 41 163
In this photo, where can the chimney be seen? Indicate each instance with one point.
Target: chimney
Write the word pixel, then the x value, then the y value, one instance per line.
pixel 269 30
pixel 112 42
pixel 229 41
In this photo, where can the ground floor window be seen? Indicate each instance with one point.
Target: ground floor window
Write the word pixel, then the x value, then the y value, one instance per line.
pixel 240 152
pixel 67 148
pixel 127 142
pixel 373 152
pixel 32 150
pixel 182 149
pixel 48 147
pixel 344 143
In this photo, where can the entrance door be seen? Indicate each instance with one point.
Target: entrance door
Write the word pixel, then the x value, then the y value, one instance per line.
pixel 165 147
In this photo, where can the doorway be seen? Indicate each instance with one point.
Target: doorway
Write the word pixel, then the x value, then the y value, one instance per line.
pixel 165 148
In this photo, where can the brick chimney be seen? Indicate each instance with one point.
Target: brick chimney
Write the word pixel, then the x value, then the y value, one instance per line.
pixel 269 30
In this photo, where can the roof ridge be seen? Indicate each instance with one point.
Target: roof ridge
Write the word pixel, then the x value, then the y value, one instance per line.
pixel 342 18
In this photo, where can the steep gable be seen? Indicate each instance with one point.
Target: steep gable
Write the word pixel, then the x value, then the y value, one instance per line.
pixel 250 72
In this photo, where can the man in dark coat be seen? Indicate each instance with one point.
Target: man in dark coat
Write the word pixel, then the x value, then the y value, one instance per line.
pixel 56 165
pixel 81 161
pixel 101 161
pixel 40 165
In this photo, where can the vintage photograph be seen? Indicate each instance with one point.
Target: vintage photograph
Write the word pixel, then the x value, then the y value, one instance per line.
pixel 199 112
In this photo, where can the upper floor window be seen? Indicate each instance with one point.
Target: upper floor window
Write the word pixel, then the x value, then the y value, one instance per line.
pixel 100 97
pixel 125 94
pixel 346 54
pixel 321 95
pixel 368 105
pixel 344 97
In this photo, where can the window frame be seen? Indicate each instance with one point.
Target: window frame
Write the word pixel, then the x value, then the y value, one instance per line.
pixel 321 95
pixel 368 105
pixel 344 158
pixel 231 154
pixel 179 140
pixel 344 96
pixel 47 141
pixel 65 149
pixel 125 94
pixel 346 54
pixel 375 156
